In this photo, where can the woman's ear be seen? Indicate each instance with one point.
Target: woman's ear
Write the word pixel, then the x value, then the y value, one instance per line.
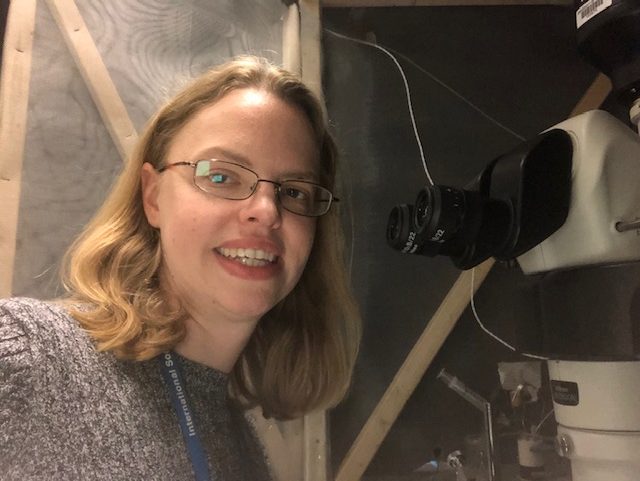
pixel 150 179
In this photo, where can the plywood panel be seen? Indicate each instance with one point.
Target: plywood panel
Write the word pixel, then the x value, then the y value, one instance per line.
pixel 150 49
pixel 89 63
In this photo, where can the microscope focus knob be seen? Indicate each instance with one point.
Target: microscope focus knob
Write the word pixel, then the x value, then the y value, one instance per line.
pixel 564 445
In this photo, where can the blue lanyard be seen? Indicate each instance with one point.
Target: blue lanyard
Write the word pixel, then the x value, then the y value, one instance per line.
pixel 176 387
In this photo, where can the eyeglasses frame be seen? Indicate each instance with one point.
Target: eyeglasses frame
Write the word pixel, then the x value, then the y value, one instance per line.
pixel 276 184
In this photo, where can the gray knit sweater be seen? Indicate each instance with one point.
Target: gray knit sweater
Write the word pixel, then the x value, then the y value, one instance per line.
pixel 68 412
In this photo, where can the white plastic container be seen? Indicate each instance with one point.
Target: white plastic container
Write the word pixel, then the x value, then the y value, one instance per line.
pixel 597 407
pixel 604 191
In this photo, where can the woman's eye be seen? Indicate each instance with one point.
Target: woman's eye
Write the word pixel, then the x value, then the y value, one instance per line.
pixel 218 178
pixel 222 178
pixel 296 193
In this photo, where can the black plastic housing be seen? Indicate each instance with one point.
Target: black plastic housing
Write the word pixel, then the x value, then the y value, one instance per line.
pixel 610 41
pixel 516 202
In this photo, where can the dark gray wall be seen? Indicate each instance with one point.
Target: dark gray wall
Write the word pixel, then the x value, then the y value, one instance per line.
pixel 520 66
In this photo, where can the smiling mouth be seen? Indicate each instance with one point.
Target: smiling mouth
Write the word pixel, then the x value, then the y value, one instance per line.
pixel 248 257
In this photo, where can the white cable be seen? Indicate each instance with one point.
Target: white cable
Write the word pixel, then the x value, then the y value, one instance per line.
pixel 424 163
pixel 435 79
pixel 406 88
pixel 504 343
pixel 537 428
pixel 459 95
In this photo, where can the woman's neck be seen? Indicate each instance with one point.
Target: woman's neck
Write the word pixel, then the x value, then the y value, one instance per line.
pixel 215 344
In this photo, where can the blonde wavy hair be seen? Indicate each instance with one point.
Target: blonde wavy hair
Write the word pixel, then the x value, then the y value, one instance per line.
pixel 301 355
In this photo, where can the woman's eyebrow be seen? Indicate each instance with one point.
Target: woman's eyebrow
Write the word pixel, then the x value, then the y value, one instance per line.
pixel 221 153
pixel 309 176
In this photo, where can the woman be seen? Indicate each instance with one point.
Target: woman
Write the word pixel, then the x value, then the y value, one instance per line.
pixel 213 268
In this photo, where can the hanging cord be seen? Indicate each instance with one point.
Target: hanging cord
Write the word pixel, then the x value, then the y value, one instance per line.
pixel 504 343
pixel 388 52
pixel 422 157
pixel 458 95
pixel 407 91
pixel 411 116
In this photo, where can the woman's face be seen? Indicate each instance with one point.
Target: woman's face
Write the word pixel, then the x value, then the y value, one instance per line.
pixel 201 234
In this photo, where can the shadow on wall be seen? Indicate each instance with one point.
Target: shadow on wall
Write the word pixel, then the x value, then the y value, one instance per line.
pixel 4 8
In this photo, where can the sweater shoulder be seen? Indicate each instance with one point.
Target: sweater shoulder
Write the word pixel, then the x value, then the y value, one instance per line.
pixel 18 325
pixel 34 333
pixel 23 355
pixel 32 325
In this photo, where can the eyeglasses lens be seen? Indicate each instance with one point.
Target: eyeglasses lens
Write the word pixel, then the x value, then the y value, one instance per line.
pixel 233 181
pixel 304 198
pixel 225 179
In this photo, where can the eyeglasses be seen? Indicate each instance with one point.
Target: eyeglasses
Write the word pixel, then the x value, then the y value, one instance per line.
pixel 228 180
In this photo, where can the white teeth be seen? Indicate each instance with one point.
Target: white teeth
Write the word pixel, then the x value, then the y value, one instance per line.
pixel 249 257
pixel 253 262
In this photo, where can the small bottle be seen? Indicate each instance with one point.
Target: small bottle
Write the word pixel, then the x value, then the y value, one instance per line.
pixel 531 456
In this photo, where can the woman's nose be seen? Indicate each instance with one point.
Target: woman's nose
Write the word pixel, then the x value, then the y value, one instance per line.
pixel 263 206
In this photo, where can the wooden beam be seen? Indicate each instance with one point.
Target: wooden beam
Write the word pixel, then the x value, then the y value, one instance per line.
pixel 439 3
pixel 315 444
pixel 315 447
pixel 310 46
pixel 14 101
pixel 291 54
pixel 95 74
pixel 594 95
pixel 282 441
pixel 433 337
